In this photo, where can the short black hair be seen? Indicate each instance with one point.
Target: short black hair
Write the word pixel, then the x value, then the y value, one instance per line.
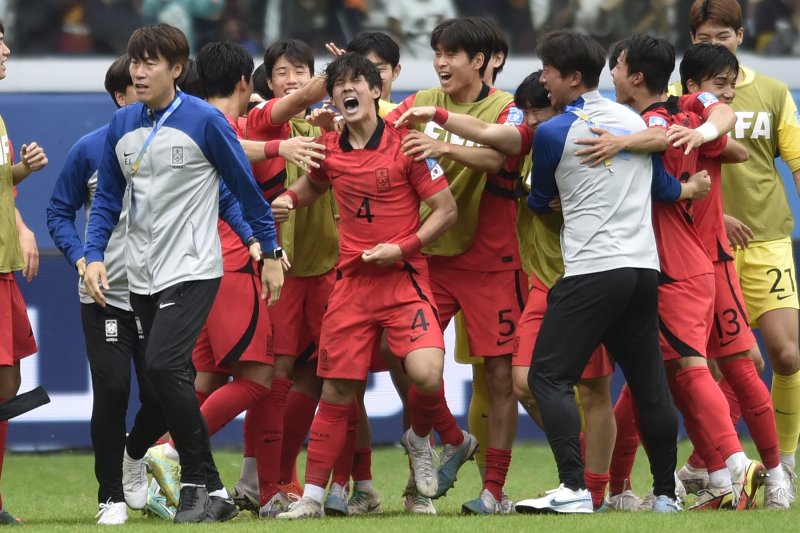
pixel 260 85
pixel 463 33
pixel 704 61
pixel 654 58
pixel 616 51
pixel 118 76
pixel 189 81
pixel 294 51
pixel 570 51
pixel 531 94
pixel 352 65
pixel 221 66
pixel 159 39
pixel 498 43
pixel 378 43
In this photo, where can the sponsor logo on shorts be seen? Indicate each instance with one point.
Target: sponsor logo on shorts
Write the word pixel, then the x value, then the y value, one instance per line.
pixel 177 157
pixel 323 359
pixel 382 180
pixel 112 330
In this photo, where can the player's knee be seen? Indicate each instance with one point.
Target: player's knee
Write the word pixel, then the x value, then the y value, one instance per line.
pixel 785 359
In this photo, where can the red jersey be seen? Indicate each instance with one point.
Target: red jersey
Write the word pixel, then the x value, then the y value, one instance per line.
pixel 680 249
pixel 378 191
pixel 708 211
pixel 271 173
pixel 235 254
pixel 495 247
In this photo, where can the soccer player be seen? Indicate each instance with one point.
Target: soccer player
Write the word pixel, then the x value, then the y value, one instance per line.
pixel 758 219
pixel 610 261
pixel 475 265
pixel 713 68
pixel 111 332
pixel 297 318
pixel 16 335
pixel 173 253
pixel 382 282
pixel 641 70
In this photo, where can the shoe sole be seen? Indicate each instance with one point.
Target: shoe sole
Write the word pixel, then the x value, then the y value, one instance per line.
pixel 230 516
pixel 449 485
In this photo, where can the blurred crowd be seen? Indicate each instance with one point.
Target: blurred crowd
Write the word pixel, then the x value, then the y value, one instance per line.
pixel 101 27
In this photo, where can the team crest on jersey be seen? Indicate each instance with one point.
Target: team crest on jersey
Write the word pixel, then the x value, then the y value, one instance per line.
pixel 707 99
pixel 323 359
pixel 382 179
pixel 434 168
pixel 177 157
pixel 112 330
pixel 139 329
pixel 656 122
pixel 515 116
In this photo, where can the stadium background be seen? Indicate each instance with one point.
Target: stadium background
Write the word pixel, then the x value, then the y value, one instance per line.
pixel 56 100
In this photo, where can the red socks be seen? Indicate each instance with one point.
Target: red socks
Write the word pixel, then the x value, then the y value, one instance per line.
pixel 430 411
pixel 267 436
pixel 756 407
pixel 325 441
pixel 596 483
pixel 625 446
pixel 295 428
pixel 497 462
pixel 362 464
pixel 225 403
pixel 344 463
pixel 733 401
pixel 706 414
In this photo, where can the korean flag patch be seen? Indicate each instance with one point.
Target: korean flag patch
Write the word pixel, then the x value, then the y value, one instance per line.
pixel 515 116
pixel 656 122
pixel 435 168
pixel 707 99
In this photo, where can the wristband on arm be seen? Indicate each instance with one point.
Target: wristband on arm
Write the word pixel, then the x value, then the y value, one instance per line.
pixel 271 149
pixel 410 246
pixel 441 116
pixel 708 131
pixel 293 196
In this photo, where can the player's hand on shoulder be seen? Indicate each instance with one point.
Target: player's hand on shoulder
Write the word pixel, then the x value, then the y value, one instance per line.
pixel 384 254
pixel 33 157
pixel 600 148
pixel 680 135
pixel 738 232
pixel 95 280
pixel 416 115
pixel 302 151
pixel 419 146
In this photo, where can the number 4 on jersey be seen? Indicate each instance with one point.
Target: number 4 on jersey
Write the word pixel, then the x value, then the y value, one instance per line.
pixel 364 211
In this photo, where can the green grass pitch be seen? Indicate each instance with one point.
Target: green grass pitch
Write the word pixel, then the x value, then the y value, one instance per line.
pixel 57 492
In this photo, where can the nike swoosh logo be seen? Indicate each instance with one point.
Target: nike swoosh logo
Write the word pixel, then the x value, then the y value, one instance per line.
pixel 414 339
pixel 162 305
pixel 503 343
pixel 723 344
pixel 128 154
pixel 784 297
pixel 783 413
pixel 559 503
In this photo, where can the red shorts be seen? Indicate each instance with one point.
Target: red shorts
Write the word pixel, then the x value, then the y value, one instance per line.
pixel 237 328
pixel 362 307
pixel 731 333
pixel 530 322
pixel 16 334
pixel 301 306
pixel 685 311
pixel 492 303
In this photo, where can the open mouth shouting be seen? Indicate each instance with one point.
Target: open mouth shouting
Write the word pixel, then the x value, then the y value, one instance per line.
pixel 350 104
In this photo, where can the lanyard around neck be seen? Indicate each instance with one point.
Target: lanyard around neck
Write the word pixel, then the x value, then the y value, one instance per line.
pixel 171 109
